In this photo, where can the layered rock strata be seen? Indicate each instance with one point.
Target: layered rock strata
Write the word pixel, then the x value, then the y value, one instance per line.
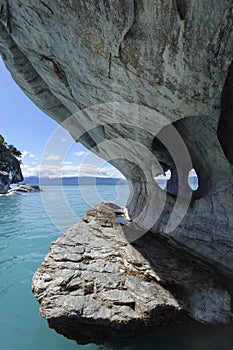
pixel 94 286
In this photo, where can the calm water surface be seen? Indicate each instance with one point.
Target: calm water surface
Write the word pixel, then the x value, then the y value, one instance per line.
pixel 26 232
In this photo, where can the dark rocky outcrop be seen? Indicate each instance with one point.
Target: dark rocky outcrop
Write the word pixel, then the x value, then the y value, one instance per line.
pixel 147 86
pixel 4 182
pixel 10 170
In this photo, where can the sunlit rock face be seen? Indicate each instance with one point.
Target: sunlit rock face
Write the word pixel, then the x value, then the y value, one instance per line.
pixel 161 75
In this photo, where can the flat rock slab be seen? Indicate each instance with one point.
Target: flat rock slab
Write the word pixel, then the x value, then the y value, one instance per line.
pixel 94 286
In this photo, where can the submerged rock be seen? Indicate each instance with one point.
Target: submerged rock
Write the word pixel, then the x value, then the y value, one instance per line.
pixel 94 285
pixel 24 188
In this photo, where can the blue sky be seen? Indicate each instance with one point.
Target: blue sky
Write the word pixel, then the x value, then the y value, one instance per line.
pixel 29 129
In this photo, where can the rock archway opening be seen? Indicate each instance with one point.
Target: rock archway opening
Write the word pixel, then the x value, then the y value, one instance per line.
pixel 193 180
pixel 162 179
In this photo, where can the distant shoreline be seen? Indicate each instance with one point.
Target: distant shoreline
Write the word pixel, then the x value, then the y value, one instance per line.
pixel 73 181
pixel 55 185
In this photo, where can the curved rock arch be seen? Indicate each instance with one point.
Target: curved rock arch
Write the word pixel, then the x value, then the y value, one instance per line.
pixel 169 58
pixel 158 66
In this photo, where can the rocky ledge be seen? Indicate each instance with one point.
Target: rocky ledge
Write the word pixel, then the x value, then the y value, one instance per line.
pixel 24 188
pixel 94 285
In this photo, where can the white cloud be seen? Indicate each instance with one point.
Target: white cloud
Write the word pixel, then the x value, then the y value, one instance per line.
pixel 52 156
pixel 24 154
pixel 80 153
pixel 168 174
pixel 69 170
pixel 31 155
pixel 192 172
pixel 43 171
pixel 92 166
pixel 28 170
pixel 28 154
pixel 86 169
pixel 63 139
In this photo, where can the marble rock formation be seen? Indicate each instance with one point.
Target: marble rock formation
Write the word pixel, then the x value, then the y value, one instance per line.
pixel 146 85
pixel 94 285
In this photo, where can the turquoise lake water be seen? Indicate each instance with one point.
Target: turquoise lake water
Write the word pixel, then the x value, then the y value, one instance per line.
pixel 26 232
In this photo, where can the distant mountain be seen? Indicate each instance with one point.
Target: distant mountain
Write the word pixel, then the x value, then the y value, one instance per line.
pixel 72 181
